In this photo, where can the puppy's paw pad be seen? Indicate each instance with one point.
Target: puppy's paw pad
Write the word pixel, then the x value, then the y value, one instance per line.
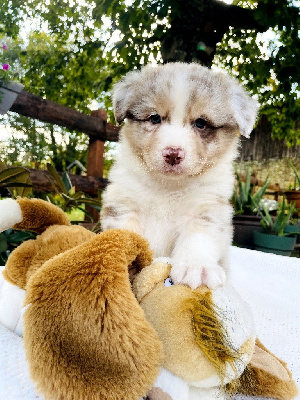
pixel 213 277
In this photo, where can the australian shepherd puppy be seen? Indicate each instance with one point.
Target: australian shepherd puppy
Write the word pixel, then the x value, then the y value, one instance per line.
pixel 173 176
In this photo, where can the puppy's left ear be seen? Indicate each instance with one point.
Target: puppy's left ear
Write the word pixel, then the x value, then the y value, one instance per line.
pixel 244 108
pixel 123 92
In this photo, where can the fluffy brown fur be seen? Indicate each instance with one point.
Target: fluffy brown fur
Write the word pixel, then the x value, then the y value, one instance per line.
pixel 57 236
pixel 267 376
pixel 85 335
pixel 38 215
pixel 32 254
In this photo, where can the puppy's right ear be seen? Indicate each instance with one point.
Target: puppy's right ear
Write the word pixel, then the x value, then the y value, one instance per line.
pixel 123 93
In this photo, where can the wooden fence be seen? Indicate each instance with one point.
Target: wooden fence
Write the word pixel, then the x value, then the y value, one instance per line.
pixel 260 146
pixel 94 125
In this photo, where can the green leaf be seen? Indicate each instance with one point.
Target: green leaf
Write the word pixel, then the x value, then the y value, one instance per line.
pixel 87 214
pixel 20 236
pixel 57 179
pixel 67 182
pixel 295 172
pixel 247 187
pixel 12 174
pixel 3 258
pixel 78 195
pixel 260 193
pixel 266 219
pixel 3 243
pixel 90 202
pixel 25 190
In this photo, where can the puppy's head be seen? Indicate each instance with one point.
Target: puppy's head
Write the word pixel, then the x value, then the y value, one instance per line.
pixel 181 119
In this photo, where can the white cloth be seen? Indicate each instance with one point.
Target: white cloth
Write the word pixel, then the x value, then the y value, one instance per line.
pixel 269 283
pixel 11 302
pixel 271 286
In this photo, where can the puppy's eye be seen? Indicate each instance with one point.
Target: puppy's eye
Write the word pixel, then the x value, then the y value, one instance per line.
pixel 200 123
pixel 155 119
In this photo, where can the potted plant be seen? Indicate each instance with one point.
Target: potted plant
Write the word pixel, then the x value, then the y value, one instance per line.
pixel 293 195
pixel 8 90
pixel 246 204
pixel 274 239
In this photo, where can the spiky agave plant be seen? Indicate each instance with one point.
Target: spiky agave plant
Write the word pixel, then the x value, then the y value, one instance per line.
pixel 275 226
pixel 244 199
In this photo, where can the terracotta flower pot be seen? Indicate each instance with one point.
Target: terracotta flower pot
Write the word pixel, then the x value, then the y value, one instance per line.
pixel 293 196
pixel 282 245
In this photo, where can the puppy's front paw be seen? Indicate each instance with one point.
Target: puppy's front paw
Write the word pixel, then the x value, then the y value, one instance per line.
pixel 194 276
pixel 213 277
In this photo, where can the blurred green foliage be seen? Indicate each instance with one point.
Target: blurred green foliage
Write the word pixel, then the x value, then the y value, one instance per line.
pixel 75 51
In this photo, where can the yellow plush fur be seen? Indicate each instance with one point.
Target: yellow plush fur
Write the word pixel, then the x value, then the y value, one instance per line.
pixel 210 334
pixel 194 342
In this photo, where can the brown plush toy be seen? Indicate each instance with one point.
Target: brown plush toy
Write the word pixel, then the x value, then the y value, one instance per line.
pixel 89 335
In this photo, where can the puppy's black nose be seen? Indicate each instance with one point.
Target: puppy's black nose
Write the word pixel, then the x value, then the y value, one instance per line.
pixel 173 156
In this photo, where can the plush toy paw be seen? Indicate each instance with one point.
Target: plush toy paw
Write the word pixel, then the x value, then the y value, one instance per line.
pixel 195 275
pixel 10 214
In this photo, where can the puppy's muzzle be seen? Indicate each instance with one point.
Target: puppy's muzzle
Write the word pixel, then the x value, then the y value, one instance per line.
pixel 173 156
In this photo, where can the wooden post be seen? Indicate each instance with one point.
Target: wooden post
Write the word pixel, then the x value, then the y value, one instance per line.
pixel 276 191
pixel 95 161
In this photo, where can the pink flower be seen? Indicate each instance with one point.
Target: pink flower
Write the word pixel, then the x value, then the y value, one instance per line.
pixel 4 47
pixel 6 67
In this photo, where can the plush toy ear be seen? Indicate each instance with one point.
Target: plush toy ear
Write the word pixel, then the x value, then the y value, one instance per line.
pixel 267 376
pixel 85 335
pixel 157 394
pixel 38 215
pixel 123 92
pixel 244 108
